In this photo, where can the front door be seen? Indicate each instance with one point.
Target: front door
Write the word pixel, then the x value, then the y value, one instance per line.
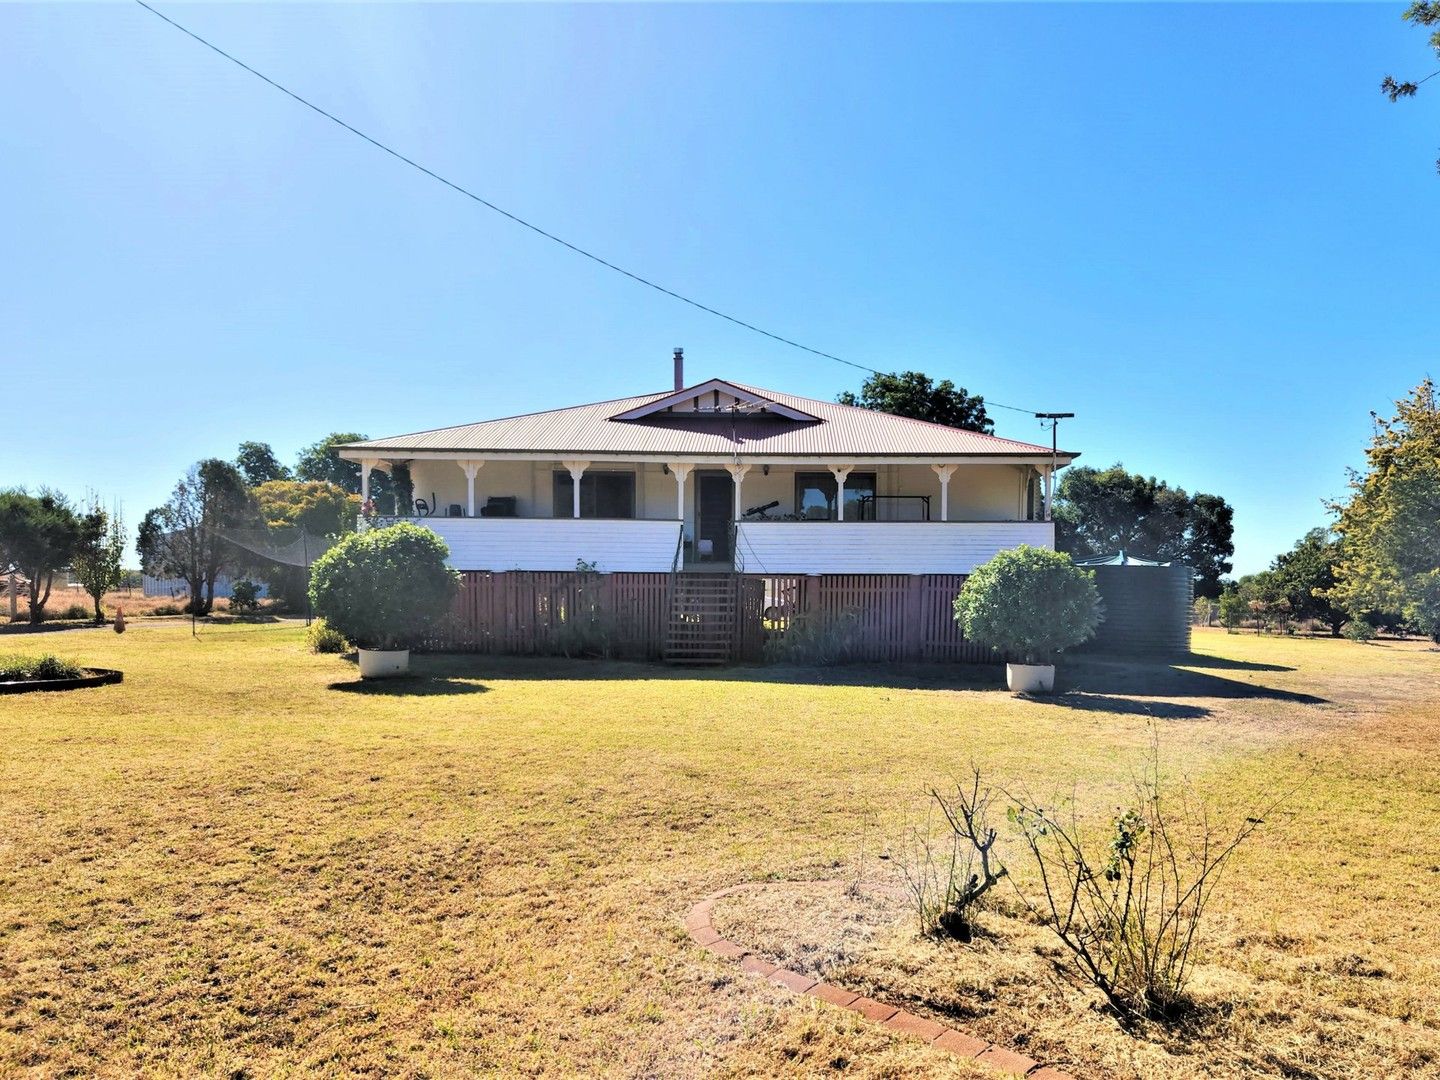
pixel 714 505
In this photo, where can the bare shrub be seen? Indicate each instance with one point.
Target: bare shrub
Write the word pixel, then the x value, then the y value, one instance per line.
pixel 583 625
pixel 949 862
pixel 1128 903
pixel 815 639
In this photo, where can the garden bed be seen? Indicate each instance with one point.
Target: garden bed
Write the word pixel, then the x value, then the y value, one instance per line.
pixel 22 674
pixel 87 677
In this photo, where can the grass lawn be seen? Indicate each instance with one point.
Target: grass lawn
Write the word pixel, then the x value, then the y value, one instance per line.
pixel 241 862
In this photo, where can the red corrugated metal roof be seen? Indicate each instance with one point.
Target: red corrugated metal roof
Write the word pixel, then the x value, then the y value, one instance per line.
pixel 840 431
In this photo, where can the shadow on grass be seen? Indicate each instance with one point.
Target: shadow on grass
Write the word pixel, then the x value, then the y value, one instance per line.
pixel 1107 703
pixel 1111 677
pixel 1221 663
pixel 893 676
pixel 1111 684
pixel 418 685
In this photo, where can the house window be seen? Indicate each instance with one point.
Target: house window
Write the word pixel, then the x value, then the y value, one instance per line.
pixel 815 495
pixel 602 494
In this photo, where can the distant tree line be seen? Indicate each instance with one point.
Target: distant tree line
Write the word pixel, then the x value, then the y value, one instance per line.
pixel 222 516
pixel 44 535
pixel 1379 564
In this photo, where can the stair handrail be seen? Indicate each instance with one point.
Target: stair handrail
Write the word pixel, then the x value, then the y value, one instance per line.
pixel 670 584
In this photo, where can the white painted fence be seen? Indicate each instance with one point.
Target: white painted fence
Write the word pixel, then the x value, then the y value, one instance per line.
pixel 881 547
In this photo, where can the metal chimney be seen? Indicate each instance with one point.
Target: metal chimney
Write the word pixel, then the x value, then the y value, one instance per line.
pixel 679 369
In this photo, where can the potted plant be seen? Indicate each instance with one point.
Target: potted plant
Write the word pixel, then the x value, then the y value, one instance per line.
pixel 382 589
pixel 1029 604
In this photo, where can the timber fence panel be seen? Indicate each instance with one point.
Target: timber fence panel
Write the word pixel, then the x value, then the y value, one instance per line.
pixel 896 617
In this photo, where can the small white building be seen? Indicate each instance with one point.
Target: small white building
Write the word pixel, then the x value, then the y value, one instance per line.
pixel 178 587
pixel 722 476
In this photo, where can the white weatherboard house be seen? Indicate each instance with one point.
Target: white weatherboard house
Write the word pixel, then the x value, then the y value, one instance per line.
pixel 721 476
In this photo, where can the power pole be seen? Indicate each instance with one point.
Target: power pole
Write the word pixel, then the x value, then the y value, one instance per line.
pixel 1054 418
pixel 305 547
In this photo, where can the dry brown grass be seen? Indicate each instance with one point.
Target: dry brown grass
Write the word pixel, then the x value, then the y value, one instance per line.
pixel 1320 959
pixel 232 863
pixel 133 602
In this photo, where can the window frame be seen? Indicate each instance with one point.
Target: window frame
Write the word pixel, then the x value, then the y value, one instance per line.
pixel 853 483
pixel 562 505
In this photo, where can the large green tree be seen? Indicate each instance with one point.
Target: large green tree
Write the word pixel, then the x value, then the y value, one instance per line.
pixel 320 508
pixel 258 464
pixel 286 507
pixel 1259 597
pixel 1101 511
pixel 916 395
pixel 184 538
pixel 98 552
pixel 320 462
pixel 1390 524
pixel 1424 13
pixel 1305 576
pixel 38 534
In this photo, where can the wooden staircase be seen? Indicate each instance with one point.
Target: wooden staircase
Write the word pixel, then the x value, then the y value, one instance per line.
pixel 702 619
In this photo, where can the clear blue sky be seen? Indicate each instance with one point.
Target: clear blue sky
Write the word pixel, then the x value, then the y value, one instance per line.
pixel 1200 228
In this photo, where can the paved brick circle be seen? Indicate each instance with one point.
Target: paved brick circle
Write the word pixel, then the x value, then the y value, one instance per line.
pixel 939 1035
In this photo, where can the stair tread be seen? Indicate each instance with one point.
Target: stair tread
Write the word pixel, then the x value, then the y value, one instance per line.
pixel 703 613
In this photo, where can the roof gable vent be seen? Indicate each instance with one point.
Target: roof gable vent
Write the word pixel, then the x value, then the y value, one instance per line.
pixel 714 398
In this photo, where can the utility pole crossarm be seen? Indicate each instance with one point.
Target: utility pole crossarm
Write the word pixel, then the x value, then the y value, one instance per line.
pixel 1054 418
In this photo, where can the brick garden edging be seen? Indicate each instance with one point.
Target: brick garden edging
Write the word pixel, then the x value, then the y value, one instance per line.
pixel 699 926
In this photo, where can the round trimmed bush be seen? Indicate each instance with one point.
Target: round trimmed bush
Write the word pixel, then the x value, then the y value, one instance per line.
pixel 1030 603
pixel 382 589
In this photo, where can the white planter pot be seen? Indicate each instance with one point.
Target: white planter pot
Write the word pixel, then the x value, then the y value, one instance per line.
pixel 1030 678
pixel 383 663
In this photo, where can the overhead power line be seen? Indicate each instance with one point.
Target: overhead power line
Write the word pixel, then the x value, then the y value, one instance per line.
pixel 516 218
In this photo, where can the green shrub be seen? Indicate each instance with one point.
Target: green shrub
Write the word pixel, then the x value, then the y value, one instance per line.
pixel 15 667
pixel 245 597
pixel 1029 603
pixel 71 612
pixel 1233 608
pixel 1202 612
pixel 384 588
pixel 324 638
pixel 1359 630
pixel 167 609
